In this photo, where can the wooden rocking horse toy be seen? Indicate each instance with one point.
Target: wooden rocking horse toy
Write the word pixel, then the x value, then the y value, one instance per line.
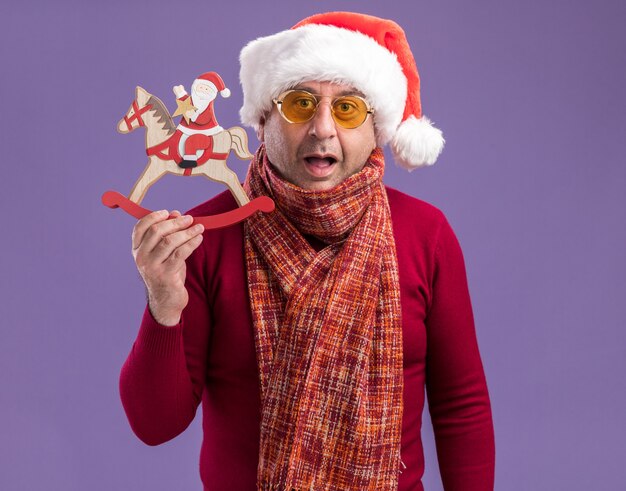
pixel 164 145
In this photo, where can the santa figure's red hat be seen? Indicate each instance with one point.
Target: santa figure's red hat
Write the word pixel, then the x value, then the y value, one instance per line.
pixel 368 53
pixel 213 79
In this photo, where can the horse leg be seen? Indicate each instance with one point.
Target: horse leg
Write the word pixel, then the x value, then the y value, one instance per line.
pixel 151 174
pixel 216 170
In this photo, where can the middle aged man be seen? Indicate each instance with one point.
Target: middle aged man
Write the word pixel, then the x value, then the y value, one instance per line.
pixel 310 333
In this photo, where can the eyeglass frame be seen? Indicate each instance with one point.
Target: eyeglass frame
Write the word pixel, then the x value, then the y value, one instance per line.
pixel 281 97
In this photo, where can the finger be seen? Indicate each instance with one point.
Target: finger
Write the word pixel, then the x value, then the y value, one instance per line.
pixel 140 228
pixel 181 253
pixel 158 231
pixel 168 244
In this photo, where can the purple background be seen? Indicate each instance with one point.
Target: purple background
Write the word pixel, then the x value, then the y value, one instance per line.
pixel 530 97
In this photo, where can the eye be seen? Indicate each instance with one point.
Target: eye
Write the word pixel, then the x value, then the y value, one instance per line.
pixel 345 107
pixel 304 103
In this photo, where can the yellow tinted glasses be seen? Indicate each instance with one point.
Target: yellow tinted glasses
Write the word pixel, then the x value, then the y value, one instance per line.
pixel 299 106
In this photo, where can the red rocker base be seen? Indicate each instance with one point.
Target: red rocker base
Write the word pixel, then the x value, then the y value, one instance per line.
pixel 113 199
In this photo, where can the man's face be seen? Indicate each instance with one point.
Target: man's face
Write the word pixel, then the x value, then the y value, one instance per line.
pixel 318 154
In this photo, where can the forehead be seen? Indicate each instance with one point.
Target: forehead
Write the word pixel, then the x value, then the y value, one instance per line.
pixel 328 88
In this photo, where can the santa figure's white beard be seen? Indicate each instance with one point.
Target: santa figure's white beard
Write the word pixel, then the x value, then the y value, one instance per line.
pixel 201 100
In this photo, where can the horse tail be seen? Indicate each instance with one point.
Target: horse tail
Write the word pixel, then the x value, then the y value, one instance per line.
pixel 239 143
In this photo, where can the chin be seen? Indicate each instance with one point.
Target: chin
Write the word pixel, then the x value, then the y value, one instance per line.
pixel 318 185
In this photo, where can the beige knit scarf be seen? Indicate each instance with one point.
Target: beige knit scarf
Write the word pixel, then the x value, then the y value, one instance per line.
pixel 327 332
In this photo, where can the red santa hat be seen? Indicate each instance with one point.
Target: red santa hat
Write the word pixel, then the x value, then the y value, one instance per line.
pixel 214 79
pixel 368 53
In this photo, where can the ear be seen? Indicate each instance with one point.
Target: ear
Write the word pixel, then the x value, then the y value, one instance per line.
pixel 141 95
pixel 260 132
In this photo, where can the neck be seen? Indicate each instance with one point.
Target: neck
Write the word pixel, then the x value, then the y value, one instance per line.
pixel 329 215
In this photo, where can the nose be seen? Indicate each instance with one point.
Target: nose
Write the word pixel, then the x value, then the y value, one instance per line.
pixel 121 127
pixel 323 124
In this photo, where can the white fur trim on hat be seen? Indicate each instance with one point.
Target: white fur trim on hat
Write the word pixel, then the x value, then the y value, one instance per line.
pixel 225 93
pixel 417 143
pixel 324 53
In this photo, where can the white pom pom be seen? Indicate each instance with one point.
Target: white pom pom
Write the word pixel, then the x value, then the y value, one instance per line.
pixel 225 93
pixel 417 143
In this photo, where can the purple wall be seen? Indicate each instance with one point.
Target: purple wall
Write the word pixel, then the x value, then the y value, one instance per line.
pixel 530 96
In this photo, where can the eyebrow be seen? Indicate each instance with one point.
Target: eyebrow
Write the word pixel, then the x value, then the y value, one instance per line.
pixel 340 94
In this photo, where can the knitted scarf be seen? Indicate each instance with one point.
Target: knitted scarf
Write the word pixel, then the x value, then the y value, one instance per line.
pixel 327 332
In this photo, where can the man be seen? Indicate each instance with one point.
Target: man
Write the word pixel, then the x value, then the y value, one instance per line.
pixel 310 333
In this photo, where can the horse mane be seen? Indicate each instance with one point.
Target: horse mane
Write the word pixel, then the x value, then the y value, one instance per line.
pixel 162 114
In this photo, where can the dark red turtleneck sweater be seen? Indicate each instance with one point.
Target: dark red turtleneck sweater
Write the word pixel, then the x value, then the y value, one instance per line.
pixel 210 357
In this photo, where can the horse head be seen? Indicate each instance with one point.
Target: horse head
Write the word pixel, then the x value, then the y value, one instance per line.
pixel 133 117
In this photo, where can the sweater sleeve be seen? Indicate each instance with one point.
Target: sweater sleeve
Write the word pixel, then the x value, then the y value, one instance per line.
pixel 458 399
pixel 162 380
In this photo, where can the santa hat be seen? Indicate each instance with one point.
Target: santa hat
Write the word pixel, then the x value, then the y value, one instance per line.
pixel 213 79
pixel 368 53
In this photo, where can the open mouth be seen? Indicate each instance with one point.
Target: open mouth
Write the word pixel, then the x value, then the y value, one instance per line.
pixel 320 166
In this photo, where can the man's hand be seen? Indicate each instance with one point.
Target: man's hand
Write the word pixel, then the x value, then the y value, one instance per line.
pixel 160 247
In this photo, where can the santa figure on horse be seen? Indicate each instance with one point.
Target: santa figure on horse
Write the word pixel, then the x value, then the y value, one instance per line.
pixel 197 146
pixel 198 125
